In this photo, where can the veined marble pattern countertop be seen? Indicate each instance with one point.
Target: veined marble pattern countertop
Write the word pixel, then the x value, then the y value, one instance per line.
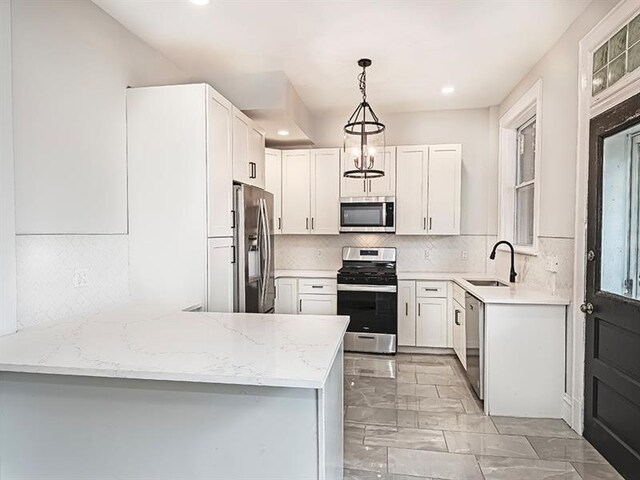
pixel 152 342
pixel 513 294
pixel 306 273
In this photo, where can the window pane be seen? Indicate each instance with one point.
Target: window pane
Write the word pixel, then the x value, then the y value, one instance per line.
pixel 524 215
pixel 620 214
pixel 526 152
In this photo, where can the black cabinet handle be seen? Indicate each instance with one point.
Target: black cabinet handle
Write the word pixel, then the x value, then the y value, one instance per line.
pixel 406 309
pixel 418 309
pixel 456 317
pixel 279 223
pixel 233 254
pixel 300 305
pixel 233 219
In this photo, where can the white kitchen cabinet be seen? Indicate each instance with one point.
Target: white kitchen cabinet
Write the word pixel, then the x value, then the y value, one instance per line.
pixel 177 143
pixel 286 296
pixel 219 171
pixel 273 184
pixel 220 273
pixel 325 191
pixel 431 322
pixel 444 184
pixel 377 187
pixel 296 191
pixel 428 180
pixel 411 181
pixel 310 304
pixel 310 191
pixel 406 313
pixel 459 333
pixel 248 150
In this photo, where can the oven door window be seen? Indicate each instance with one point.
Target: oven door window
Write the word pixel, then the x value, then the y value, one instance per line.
pixel 362 214
pixel 372 312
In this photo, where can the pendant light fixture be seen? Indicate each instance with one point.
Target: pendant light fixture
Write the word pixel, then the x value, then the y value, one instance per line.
pixel 364 137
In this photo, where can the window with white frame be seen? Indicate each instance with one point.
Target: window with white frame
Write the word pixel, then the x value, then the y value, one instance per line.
pixel 519 170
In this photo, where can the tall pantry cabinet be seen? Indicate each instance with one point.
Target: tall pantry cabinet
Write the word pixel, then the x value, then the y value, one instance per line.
pixel 180 187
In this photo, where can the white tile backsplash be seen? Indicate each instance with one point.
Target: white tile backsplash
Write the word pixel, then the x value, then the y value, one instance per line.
pixel 415 253
pixel 531 269
pixel 45 271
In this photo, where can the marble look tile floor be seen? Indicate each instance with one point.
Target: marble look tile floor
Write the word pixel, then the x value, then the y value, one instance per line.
pixel 415 417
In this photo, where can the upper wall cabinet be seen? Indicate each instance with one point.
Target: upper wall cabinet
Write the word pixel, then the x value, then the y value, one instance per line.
pixel 248 151
pixel 376 187
pixel 428 189
pixel 310 191
pixel 273 184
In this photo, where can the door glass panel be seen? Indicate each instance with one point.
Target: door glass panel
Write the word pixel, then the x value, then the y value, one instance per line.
pixel 620 254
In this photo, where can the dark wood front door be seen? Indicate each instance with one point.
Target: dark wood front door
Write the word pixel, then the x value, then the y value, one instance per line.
pixel 612 306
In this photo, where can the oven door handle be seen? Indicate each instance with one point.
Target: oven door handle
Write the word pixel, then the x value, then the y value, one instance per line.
pixel 367 288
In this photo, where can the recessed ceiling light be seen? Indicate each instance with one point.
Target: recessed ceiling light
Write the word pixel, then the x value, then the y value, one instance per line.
pixel 448 89
pixel 200 2
pixel 283 133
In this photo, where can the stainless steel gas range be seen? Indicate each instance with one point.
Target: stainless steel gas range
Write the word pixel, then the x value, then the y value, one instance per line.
pixel 368 293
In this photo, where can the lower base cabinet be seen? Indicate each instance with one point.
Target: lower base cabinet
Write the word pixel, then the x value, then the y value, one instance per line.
pixel 459 333
pixel 292 299
pixel 311 304
pixel 286 296
pixel 422 314
pixel 431 322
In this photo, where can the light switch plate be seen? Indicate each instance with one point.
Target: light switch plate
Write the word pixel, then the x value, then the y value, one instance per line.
pixel 553 264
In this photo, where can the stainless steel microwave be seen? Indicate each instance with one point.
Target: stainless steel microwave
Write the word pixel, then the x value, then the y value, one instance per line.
pixel 367 214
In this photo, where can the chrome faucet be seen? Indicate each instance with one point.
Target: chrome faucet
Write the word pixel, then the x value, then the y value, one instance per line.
pixel 512 274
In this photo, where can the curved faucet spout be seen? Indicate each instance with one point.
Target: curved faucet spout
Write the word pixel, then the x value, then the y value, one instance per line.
pixel 512 273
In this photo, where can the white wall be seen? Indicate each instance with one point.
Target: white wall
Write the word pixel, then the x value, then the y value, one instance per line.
pixel 558 69
pixel 7 217
pixel 72 64
pixel 472 128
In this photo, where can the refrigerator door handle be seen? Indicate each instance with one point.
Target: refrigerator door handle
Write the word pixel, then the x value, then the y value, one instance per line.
pixel 264 250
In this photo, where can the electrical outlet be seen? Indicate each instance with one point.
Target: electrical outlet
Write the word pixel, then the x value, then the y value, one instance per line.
pixel 427 253
pixel 319 253
pixel 553 264
pixel 464 255
pixel 81 277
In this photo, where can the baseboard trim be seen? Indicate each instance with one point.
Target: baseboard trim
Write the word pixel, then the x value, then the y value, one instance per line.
pixel 572 413
pixel 427 350
pixel 567 408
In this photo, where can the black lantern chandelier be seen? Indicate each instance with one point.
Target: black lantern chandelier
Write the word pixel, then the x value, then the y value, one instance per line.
pixel 364 138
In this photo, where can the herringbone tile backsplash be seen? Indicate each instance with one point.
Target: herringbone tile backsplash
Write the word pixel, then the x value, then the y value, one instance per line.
pixel 415 253
pixel 45 269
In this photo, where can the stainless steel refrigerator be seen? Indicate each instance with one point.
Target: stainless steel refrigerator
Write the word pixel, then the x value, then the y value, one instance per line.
pixel 253 240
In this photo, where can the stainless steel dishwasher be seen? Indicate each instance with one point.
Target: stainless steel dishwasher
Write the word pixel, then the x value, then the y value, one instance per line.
pixel 474 320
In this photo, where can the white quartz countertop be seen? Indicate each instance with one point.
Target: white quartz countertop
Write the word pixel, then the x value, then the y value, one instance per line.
pixel 306 273
pixel 511 294
pixel 162 343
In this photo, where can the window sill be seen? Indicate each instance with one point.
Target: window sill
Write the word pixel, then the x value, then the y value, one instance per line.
pixel 520 250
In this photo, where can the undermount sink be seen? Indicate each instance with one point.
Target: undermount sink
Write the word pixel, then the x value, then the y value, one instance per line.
pixel 487 283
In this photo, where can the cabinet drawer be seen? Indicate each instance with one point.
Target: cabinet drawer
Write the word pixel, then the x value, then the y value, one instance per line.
pixel 431 289
pixel 322 286
pixel 458 294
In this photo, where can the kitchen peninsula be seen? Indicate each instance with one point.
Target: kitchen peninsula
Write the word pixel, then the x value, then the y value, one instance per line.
pixel 149 391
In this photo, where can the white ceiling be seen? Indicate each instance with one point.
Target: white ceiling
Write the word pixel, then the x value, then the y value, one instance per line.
pixel 481 47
